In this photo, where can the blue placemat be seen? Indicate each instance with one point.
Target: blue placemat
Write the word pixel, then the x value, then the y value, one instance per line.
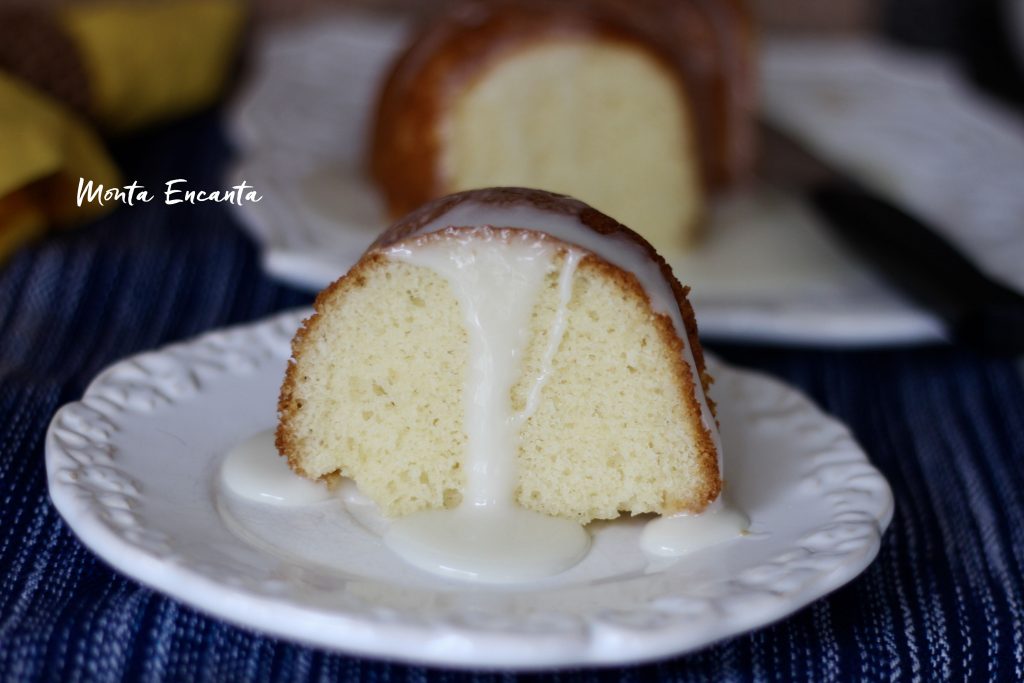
pixel 944 599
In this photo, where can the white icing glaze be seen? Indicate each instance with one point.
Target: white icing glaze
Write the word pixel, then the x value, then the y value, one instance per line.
pixel 508 544
pixel 684 533
pixel 253 469
pixel 497 276
pixel 572 260
pixel 497 282
pixel 616 249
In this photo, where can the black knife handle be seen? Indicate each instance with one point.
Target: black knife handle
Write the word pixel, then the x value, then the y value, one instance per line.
pixel 977 310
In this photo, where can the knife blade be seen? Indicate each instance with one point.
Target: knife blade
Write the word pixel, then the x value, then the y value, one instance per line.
pixel 976 310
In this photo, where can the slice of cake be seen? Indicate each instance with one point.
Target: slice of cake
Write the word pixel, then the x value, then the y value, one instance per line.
pixel 636 107
pixel 505 346
pixel 567 98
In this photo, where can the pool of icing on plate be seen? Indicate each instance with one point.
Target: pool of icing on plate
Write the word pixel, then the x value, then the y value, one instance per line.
pixel 255 471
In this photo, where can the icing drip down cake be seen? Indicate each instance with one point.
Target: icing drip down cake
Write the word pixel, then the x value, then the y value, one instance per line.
pixel 504 364
pixel 637 107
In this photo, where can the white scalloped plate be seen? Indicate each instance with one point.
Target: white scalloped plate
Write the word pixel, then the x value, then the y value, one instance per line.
pixel 132 469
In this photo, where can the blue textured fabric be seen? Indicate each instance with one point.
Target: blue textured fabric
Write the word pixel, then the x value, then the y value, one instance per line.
pixel 944 600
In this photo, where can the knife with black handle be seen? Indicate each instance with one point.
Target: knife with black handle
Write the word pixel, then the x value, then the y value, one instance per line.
pixel 977 311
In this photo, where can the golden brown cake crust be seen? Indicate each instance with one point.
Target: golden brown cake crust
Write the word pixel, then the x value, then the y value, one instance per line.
pixel 683 379
pixel 733 89
pixel 706 44
pixel 288 404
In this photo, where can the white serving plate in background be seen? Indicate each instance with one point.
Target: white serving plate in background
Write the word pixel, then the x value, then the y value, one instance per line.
pixel 767 271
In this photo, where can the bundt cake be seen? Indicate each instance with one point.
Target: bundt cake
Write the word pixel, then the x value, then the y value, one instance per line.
pixel 505 344
pixel 634 106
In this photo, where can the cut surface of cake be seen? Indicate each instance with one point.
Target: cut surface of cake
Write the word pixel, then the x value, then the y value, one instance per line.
pixel 634 107
pixel 505 347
